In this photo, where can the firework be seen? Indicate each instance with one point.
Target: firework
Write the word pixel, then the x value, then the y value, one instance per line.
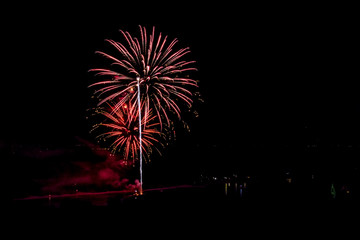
pixel 121 125
pixel 159 70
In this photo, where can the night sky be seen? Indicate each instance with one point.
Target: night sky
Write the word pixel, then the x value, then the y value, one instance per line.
pixel 279 84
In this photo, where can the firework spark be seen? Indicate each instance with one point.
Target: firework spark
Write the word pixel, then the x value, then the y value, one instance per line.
pixel 123 126
pixel 161 72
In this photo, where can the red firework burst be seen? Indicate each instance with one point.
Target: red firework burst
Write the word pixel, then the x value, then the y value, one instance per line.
pixel 153 64
pixel 122 125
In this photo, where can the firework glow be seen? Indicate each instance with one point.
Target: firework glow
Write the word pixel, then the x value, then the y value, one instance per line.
pixel 144 77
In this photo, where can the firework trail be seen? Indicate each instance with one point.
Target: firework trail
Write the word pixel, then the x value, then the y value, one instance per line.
pixel 122 125
pixel 160 71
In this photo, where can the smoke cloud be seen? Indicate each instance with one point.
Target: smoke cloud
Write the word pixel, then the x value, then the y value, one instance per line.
pixel 110 174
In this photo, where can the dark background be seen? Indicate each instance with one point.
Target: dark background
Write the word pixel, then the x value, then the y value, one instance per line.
pixel 279 83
